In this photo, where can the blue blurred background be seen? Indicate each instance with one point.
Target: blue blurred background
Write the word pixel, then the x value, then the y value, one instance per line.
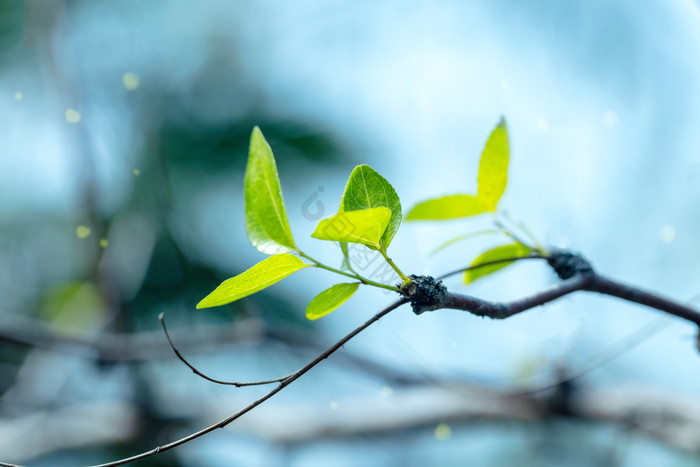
pixel 124 140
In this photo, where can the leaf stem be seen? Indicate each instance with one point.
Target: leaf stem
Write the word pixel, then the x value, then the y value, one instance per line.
pixel 391 263
pixel 538 246
pixel 356 276
pixel 506 231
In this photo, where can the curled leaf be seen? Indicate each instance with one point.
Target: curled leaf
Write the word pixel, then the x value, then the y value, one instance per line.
pixel 330 299
pixel 262 275
pixel 265 216
pixel 367 189
pixel 365 227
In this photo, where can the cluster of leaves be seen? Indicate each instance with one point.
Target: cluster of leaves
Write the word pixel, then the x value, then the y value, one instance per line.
pixel 492 180
pixel 369 215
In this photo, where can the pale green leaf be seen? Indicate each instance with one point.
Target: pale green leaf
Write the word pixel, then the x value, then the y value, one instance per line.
pixel 513 250
pixel 73 307
pixel 330 299
pixel 365 227
pixel 459 238
pixel 493 167
pixel 367 189
pixel 265 273
pixel 265 217
pixel 447 207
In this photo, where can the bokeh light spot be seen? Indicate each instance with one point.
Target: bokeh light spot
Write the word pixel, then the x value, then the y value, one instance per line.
pixel 610 119
pixel 667 233
pixel 443 432
pixel 72 116
pixel 131 81
pixel 82 231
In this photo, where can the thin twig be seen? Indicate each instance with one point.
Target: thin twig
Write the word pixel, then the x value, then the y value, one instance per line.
pixel 161 318
pixel 489 263
pixel 283 384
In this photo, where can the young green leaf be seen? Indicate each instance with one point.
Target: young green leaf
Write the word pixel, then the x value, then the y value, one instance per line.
pixel 447 207
pixel 513 250
pixel 265 217
pixel 265 273
pixel 367 189
pixel 330 299
pixel 365 227
pixel 493 167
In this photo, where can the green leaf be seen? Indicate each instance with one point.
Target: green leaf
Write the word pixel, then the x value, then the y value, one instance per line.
pixel 513 250
pixel 330 299
pixel 265 273
pixel 447 207
pixel 365 227
pixel 265 217
pixel 367 189
pixel 493 167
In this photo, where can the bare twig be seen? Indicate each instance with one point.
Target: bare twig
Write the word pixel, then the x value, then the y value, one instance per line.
pixel 161 318
pixel 283 384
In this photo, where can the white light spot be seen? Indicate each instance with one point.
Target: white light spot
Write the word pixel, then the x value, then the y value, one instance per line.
pixel 333 405
pixel 610 119
pixel 542 124
pixel 72 116
pixel 387 391
pixel 453 345
pixel 19 96
pixel 667 233
pixel 131 81
pixel 505 84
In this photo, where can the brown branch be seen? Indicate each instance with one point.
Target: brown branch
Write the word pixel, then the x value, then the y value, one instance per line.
pixel 591 282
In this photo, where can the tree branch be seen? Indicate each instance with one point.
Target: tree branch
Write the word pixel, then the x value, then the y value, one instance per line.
pixel 124 348
pixel 283 384
pixel 583 282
